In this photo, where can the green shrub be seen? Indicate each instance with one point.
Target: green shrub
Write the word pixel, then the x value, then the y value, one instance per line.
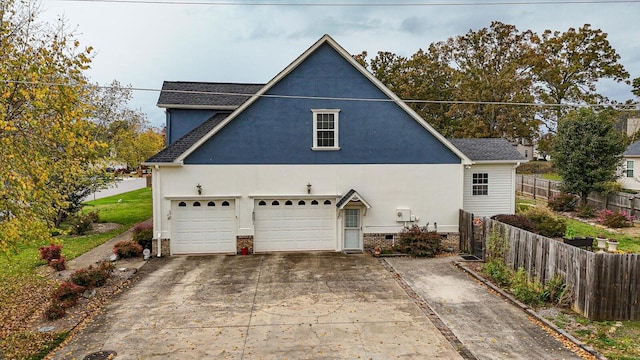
pixel 54 311
pixel 546 223
pixel 525 290
pixel 556 292
pixel 563 202
pixel 80 224
pixel 67 294
pixel 518 221
pixel 127 249
pixel 143 235
pixel 585 211
pixel 498 271
pixel 420 242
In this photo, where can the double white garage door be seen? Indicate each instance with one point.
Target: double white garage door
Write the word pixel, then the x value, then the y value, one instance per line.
pixel 209 226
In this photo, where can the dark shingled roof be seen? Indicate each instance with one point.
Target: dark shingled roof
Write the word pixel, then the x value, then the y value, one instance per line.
pixel 205 94
pixel 345 198
pixel 487 149
pixel 173 151
pixel 633 149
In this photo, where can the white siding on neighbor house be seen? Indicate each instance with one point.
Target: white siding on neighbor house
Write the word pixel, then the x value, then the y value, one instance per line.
pixel 432 192
pixel 631 183
pixel 501 197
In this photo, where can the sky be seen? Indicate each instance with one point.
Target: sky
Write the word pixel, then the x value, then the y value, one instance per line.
pixel 142 43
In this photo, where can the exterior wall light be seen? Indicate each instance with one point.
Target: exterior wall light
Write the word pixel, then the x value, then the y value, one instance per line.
pixel 309 188
pixel 199 189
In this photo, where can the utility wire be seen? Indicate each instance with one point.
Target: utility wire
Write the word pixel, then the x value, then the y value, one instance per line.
pixel 356 4
pixel 622 107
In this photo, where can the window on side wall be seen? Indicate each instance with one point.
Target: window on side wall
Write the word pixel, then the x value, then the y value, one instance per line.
pixel 325 129
pixel 480 184
pixel 629 168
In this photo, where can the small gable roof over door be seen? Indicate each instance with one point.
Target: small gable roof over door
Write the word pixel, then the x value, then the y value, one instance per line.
pixel 262 93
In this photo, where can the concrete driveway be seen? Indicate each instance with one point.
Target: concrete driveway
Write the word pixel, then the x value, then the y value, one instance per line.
pixel 279 306
pixel 489 326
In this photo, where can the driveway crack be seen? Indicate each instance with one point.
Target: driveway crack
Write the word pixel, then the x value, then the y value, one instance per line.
pixel 253 307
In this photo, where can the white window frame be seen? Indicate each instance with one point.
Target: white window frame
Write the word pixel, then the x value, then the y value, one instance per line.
pixel 335 113
pixel 480 184
pixel 629 170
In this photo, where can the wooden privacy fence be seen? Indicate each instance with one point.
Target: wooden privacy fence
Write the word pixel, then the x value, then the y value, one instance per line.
pixel 605 286
pixel 471 240
pixel 539 188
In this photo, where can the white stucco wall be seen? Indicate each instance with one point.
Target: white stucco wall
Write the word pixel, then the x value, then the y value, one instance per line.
pixel 501 198
pixel 432 192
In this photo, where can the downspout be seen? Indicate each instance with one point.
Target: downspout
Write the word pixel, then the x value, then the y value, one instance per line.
pixel 157 213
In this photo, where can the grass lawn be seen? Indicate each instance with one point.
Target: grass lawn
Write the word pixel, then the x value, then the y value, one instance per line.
pixel 23 291
pixel 552 176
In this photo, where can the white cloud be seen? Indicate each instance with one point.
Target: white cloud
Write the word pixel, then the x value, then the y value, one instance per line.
pixel 144 44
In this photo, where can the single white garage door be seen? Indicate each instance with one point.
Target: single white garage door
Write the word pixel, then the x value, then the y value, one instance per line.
pixel 203 226
pixel 295 224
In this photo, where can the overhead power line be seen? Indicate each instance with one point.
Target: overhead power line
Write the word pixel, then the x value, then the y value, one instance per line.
pixel 356 4
pixel 620 107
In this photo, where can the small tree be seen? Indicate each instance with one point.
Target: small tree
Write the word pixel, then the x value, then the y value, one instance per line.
pixel 587 151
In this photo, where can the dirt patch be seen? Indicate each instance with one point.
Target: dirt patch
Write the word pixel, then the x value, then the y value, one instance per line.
pixel 100 228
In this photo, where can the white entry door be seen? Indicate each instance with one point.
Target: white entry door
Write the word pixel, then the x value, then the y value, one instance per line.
pixel 352 229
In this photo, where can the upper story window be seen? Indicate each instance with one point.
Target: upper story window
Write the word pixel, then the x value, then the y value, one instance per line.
pixel 325 129
pixel 629 169
pixel 480 184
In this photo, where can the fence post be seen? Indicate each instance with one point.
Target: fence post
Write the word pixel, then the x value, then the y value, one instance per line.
pixel 534 188
pixel 522 184
pixel 549 190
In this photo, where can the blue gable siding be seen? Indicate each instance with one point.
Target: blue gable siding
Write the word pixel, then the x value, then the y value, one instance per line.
pixel 181 121
pixel 280 130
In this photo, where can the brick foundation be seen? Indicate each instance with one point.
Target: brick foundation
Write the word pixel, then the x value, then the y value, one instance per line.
pixel 244 241
pixel 165 247
pixel 386 241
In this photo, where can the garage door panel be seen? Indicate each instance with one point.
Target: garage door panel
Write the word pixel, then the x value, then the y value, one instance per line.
pixel 301 225
pixel 204 229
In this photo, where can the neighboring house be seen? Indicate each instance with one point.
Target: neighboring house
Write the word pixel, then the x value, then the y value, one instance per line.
pixel 630 174
pixel 526 149
pixel 323 157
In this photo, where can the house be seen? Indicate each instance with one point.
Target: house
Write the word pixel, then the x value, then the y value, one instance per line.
pixel 322 157
pixel 630 171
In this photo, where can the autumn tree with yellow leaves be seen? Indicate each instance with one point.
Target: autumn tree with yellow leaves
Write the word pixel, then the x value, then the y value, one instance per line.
pixel 46 140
